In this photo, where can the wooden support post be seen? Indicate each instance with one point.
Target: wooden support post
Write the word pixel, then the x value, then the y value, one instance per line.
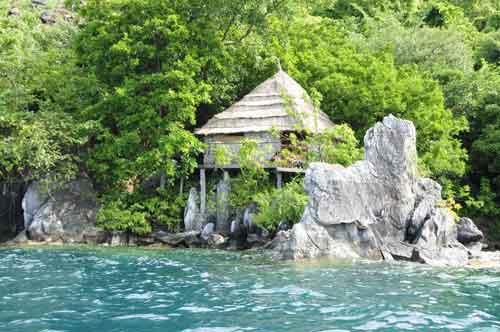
pixel 279 179
pixel 203 192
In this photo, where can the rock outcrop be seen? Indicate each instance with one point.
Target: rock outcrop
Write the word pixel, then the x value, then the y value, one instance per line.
pixel 377 208
pixel 193 220
pixel 67 214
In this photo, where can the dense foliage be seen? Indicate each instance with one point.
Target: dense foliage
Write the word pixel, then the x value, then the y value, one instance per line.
pixel 117 91
pixel 285 205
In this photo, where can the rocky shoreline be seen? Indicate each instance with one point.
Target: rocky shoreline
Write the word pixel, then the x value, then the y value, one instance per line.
pixel 378 209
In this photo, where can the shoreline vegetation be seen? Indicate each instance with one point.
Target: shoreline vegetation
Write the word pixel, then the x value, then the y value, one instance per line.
pixel 112 93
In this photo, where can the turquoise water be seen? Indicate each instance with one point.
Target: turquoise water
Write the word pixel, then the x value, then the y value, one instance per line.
pixel 84 290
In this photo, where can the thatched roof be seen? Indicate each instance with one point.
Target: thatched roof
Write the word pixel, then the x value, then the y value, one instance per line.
pixel 279 103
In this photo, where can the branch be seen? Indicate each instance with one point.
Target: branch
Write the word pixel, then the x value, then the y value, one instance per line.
pixel 274 6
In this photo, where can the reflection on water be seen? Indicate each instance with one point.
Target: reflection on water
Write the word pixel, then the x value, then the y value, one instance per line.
pixel 77 290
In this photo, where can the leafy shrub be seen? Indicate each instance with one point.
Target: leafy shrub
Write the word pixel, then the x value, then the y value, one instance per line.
pixel 115 216
pixel 337 145
pixel 253 177
pixel 281 205
pixel 138 211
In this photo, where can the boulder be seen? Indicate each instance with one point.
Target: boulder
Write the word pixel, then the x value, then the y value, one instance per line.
pixel 258 238
pixel 216 241
pixel 468 233
pixel 66 213
pixel 377 208
pixel 145 240
pixel 95 236
pixel 20 238
pixel 33 199
pixel 118 239
pixel 437 243
pixel 208 230
pixel 178 239
pixel 193 220
pixel 238 231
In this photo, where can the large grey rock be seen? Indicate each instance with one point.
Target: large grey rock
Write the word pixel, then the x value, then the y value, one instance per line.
pixel 178 239
pixel 377 208
pixel 223 224
pixel 65 214
pixel 468 233
pixel 427 196
pixel 20 238
pixel 216 241
pixel 208 230
pixel 437 244
pixel 118 239
pixel 33 199
pixel 193 220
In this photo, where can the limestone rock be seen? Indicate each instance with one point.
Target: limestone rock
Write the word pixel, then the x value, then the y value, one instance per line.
pixel 237 231
pixel 193 220
pixel 20 238
pixel 377 208
pixel 95 236
pixel 178 239
pixel 216 241
pixel 68 214
pixel 468 233
pixel 437 241
pixel 145 240
pixel 33 199
pixel 259 238
pixel 118 239
pixel 208 230
pixel 486 259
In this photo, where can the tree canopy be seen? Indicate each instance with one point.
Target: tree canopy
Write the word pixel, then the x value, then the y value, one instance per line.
pixel 116 89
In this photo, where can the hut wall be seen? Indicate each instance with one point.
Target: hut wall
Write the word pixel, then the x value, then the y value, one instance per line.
pixel 268 145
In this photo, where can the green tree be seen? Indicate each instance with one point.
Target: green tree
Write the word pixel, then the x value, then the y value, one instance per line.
pixel 157 63
pixel 360 87
pixel 39 136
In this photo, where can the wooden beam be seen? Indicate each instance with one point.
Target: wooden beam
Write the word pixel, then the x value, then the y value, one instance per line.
pixel 203 192
pixel 290 170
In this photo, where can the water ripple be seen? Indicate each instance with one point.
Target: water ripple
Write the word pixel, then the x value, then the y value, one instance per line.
pixel 80 290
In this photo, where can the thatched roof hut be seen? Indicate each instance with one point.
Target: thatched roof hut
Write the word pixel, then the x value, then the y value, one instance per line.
pixel 279 103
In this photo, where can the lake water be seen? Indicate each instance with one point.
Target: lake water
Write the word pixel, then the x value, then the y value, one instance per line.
pixel 104 290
